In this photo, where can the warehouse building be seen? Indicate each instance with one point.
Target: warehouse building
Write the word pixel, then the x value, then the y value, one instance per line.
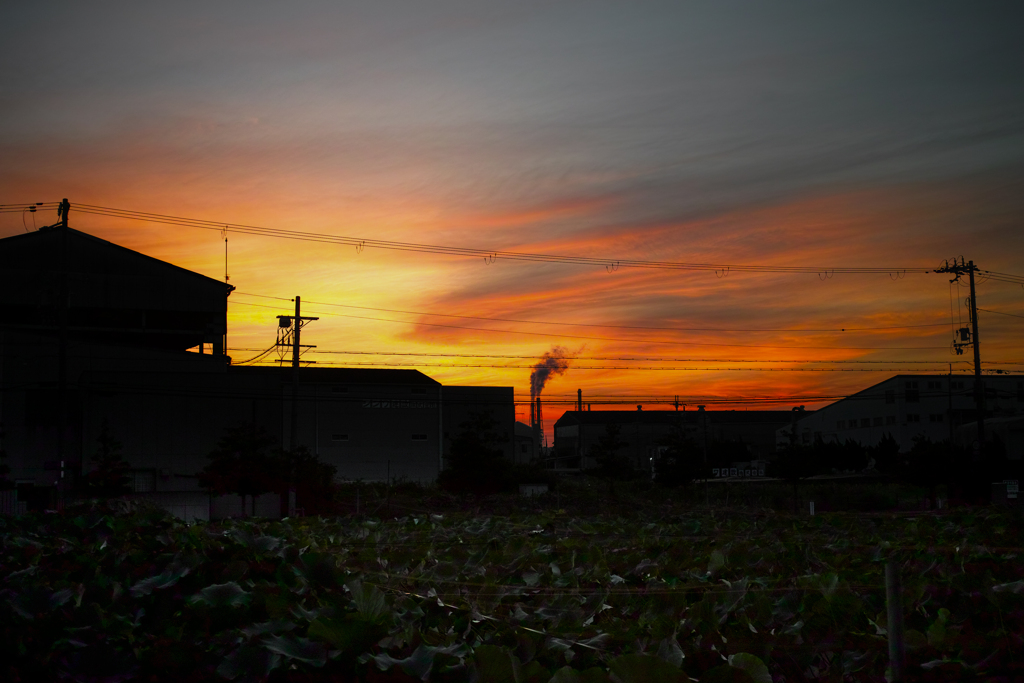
pixel 936 407
pixel 95 336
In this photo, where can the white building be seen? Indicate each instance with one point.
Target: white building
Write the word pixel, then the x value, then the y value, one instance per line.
pixel 907 406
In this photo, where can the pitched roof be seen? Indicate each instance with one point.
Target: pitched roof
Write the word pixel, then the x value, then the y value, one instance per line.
pixel 341 375
pixel 100 274
pixel 87 253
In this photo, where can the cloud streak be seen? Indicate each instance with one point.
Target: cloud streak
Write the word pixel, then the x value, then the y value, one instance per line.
pixel 832 135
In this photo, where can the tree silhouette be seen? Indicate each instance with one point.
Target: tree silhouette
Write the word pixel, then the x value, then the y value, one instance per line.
pixel 474 460
pixel 680 461
pixel 312 479
pixel 111 475
pixel 611 465
pixel 793 464
pixel 242 464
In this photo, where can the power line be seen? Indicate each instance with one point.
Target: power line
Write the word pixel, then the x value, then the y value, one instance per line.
pixel 453 366
pixel 649 359
pixel 31 207
pixel 489 255
pixel 615 339
pixel 1002 277
pixel 259 356
pixel 632 358
pixel 618 327
pixel 1012 315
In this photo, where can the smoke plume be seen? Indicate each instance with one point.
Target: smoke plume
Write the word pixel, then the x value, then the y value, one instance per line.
pixel 553 362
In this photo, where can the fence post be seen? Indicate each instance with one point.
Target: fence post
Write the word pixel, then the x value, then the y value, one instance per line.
pixel 894 620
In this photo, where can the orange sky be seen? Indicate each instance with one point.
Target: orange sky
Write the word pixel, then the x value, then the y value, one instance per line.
pixel 832 136
pixel 828 229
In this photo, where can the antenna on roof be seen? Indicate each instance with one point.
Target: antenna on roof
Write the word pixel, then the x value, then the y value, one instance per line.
pixel 62 211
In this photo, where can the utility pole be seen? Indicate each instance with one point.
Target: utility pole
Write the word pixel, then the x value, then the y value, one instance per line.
pixel 702 420
pixel 969 337
pixel 227 285
pixel 294 325
pixel 64 295
pixel 289 334
pixel 579 427
pixel 979 384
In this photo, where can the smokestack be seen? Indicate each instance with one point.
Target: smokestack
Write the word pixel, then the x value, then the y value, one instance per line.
pixel 538 429
pixel 579 400
pixel 553 362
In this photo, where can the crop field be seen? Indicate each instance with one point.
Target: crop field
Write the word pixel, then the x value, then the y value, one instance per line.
pixel 650 594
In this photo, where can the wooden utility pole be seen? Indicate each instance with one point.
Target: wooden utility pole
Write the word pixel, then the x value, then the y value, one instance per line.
pixel 979 384
pixel 64 295
pixel 970 338
pixel 295 323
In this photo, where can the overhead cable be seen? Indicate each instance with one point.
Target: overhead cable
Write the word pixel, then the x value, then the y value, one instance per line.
pixel 489 255
pixel 1012 315
pixel 617 327
pixel 616 339
pixel 456 366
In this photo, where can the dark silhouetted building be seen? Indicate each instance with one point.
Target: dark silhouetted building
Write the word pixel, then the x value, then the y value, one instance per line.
pixel 94 334
pixel 643 434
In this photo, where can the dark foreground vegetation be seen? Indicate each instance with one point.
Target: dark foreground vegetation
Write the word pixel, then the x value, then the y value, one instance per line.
pixel 427 586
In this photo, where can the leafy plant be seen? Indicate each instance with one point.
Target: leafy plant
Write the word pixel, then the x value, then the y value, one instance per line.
pixel 654 593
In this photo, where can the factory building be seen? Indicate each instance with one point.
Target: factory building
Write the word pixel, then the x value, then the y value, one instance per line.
pixel 936 407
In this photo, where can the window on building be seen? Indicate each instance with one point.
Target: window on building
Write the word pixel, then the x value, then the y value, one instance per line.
pixel 877 422
pixel 934 386
pixel 890 419
pixel 865 422
pixel 339 437
pixel 913 417
pixel 957 386
pixel 890 396
pixel 339 390
pixel 419 437
pixel 936 417
pixel 912 394
pixel 419 390
pixel 840 424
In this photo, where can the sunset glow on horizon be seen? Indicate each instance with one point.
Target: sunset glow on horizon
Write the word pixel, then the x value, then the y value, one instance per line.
pixel 783 135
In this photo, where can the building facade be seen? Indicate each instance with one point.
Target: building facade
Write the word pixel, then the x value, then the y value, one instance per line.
pixel 936 407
